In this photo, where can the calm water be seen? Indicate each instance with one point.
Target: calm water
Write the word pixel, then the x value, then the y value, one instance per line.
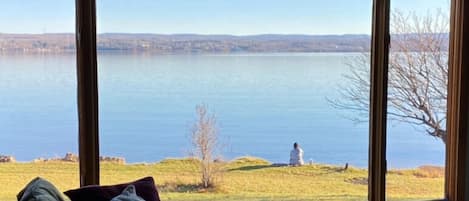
pixel 264 103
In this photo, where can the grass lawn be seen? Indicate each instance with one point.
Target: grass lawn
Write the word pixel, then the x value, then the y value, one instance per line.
pixel 243 179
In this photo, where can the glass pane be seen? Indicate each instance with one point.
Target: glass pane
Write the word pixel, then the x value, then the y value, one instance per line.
pixel 270 72
pixel 38 117
pixel 417 99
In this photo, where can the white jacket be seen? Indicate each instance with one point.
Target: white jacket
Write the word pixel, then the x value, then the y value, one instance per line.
pixel 296 157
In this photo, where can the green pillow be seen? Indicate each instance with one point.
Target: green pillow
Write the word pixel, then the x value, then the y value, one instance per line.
pixel 39 189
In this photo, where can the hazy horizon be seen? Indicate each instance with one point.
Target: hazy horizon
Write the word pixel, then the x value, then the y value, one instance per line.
pixel 193 33
pixel 206 17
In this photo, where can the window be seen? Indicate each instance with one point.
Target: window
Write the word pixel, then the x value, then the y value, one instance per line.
pixel 269 77
pixel 417 94
pixel 457 99
pixel 38 121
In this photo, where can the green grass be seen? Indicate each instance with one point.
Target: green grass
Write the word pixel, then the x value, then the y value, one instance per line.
pixel 243 179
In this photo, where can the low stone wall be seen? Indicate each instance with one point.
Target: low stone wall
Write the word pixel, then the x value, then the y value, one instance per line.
pixel 71 157
pixel 119 160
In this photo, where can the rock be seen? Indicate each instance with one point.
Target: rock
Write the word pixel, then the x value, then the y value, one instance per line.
pixel 118 160
pixel 70 157
pixel 38 160
pixel 7 159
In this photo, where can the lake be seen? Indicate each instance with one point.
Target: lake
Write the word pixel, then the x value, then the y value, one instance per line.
pixel 263 103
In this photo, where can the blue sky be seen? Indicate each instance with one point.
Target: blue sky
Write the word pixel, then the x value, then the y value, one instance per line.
pixel 238 17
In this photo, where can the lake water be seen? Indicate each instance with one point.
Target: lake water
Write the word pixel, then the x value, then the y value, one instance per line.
pixel 263 103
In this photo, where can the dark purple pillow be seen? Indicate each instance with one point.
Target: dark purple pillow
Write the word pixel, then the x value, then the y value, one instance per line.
pixel 145 188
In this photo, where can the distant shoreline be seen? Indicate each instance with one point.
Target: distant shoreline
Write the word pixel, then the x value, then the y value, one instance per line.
pixel 194 43
pixel 188 43
pixel 117 52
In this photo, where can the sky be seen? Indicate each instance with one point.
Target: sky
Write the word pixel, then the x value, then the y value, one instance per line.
pixel 236 17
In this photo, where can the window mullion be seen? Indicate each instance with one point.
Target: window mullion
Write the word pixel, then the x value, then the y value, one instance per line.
pixel 378 100
pixel 87 77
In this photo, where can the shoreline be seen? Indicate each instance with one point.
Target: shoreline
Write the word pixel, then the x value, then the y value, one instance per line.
pixel 73 158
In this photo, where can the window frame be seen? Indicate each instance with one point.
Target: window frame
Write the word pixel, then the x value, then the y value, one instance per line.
pixel 456 176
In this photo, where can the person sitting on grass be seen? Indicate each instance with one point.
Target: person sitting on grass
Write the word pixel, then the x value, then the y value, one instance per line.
pixel 296 155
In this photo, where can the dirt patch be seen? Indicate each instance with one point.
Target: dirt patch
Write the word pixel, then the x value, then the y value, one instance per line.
pixel 187 188
pixel 428 171
pixel 358 180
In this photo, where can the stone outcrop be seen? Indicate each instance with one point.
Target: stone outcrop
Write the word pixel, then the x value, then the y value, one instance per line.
pixel 7 159
pixel 70 157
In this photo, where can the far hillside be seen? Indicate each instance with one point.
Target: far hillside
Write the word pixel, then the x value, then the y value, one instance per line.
pixel 188 43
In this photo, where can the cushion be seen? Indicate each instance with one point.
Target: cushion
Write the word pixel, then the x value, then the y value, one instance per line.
pixel 128 195
pixel 145 188
pixel 39 189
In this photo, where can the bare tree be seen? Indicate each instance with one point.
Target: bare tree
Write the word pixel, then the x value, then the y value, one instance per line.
pixel 418 74
pixel 206 146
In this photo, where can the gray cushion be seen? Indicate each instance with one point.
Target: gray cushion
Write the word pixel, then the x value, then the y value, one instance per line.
pixel 129 194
